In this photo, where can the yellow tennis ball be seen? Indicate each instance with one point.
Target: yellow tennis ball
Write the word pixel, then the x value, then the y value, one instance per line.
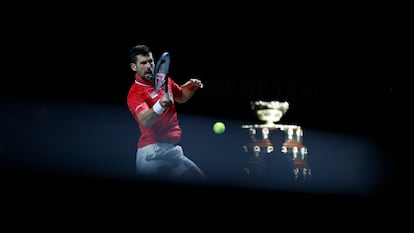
pixel 219 127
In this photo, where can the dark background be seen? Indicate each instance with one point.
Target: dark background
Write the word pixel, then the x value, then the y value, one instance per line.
pixel 336 59
pixel 339 65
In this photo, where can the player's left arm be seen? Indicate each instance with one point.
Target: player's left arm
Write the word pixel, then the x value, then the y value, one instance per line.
pixel 188 89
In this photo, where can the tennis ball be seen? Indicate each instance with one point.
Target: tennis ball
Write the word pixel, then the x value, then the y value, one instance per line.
pixel 219 127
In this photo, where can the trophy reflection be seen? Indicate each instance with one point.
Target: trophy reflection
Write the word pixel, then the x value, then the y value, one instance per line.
pixel 260 144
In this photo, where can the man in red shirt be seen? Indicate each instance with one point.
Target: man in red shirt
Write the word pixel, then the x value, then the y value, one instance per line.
pixel 158 154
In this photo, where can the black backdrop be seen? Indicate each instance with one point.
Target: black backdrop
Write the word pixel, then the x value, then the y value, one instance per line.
pixel 346 65
pixel 338 65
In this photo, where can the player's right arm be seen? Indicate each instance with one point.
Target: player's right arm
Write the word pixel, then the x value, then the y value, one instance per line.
pixel 148 116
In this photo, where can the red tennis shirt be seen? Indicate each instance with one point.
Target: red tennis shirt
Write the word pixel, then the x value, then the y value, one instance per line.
pixel 141 96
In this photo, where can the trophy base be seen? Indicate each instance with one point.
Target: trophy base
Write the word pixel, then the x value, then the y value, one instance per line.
pixel 258 149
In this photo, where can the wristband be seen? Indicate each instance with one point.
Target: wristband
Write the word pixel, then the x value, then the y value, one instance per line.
pixel 158 109
pixel 192 87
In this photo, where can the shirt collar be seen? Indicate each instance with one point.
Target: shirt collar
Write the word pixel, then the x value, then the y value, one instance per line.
pixel 142 81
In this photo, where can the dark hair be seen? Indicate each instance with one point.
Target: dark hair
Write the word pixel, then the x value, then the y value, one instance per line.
pixel 138 50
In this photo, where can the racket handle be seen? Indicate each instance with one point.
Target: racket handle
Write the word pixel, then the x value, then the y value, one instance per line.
pixel 167 95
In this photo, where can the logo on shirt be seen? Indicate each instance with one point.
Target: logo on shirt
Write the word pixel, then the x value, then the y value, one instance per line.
pixel 153 95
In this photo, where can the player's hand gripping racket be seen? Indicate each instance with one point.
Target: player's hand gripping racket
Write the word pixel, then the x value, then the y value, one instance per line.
pixel 160 73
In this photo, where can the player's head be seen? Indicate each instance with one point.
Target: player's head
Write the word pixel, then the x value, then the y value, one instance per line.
pixel 142 61
pixel 143 50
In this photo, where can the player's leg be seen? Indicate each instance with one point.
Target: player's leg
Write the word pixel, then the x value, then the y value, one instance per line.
pixel 184 167
pixel 149 162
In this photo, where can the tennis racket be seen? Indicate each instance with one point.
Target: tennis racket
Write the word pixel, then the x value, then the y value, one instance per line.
pixel 161 74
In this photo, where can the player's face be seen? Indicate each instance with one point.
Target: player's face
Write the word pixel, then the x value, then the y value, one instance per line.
pixel 144 67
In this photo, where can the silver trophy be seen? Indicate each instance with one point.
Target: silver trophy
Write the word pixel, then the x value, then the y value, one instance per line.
pixel 270 112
